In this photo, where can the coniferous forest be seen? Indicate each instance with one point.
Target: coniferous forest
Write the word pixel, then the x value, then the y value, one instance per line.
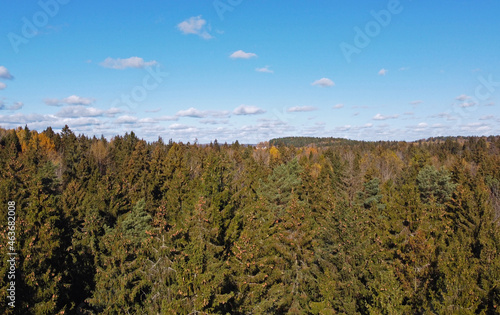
pixel 290 226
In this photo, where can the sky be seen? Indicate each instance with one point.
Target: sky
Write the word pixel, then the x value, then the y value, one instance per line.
pixel 252 70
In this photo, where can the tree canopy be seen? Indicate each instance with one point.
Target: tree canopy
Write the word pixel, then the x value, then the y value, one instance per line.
pixel 294 226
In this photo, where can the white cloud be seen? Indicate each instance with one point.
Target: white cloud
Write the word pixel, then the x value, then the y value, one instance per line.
pixel 86 125
pixel 417 102
pixel 219 113
pixel 196 113
pixel 147 120
pixel 191 112
pixel 77 100
pixel 70 100
pixel 487 117
pixel 476 127
pixel 178 127
pixel 214 121
pixel 353 129
pixel 338 106
pixel 462 97
pixel 420 127
pixel 5 74
pixel 383 71
pixel 16 106
pixel 240 54
pixel 382 117
pixel 81 121
pixel 264 69
pixel 247 110
pixel 167 118
pixel 113 111
pixel 323 82
pixel 404 68
pixel 265 129
pixel 2 85
pixel 25 118
pixel 126 119
pixel 52 102
pixel 79 111
pixel 301 109
pixel 132 62
pixel 194 25
pixel 468 104
pixel 343 128
pixel 447 116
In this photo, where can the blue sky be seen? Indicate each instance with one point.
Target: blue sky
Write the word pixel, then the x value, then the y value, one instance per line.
pixel 252 70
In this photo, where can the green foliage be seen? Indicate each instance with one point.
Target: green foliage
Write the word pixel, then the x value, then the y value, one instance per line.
pixel 121 285
pixel 300 225
pixel 371 196
pixel 434 185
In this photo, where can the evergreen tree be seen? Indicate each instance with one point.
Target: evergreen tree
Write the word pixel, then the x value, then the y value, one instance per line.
pixel 40 286
pixel 300 225
pixel 121 285
pixel 434 185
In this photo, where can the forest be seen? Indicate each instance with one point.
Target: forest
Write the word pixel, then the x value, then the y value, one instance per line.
pixel 290 226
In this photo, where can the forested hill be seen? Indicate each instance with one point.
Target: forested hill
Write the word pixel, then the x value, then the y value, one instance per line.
pixel 327 142
pixel 123 226
pixel 306 141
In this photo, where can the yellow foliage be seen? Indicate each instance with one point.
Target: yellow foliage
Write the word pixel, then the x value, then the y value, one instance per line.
pixel 275 153
pixel 99 151
pixel 46 143
pixel 21 135
pixel 41 143
pixel 315 170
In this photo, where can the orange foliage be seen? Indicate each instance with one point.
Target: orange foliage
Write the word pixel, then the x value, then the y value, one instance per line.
pixel 46 143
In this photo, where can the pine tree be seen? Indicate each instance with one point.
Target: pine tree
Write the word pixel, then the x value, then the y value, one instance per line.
pixel 434 185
